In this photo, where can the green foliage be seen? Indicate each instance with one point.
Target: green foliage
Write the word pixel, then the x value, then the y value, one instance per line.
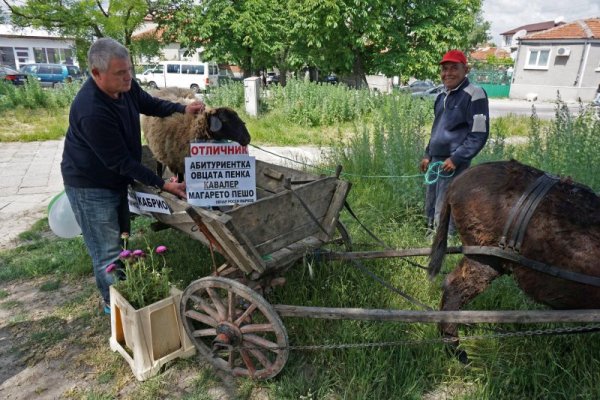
pixel 566 146
pixel 33 96
pixel 314 104
pixel 355 37
pixel 229 94
pixel 82 19
pixel 146 275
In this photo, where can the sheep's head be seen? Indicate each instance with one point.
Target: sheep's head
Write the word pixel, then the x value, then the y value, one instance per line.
pixel 225 124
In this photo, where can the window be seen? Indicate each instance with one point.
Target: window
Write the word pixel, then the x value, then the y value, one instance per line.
pixel 22 54
pixel 173 68
pixel 192 69
pixel 538 59
pixel 7 57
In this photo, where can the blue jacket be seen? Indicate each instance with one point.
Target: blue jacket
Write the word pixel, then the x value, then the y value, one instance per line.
pixel 461 125
pixel 103 143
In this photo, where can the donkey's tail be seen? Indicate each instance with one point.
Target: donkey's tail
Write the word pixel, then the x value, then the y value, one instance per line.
pixel 440 241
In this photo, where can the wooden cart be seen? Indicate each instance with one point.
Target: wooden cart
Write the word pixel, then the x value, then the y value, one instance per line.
pixel 295 213
pixel 226 316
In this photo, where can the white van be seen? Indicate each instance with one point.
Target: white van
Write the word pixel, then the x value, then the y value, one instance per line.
pixel 195 75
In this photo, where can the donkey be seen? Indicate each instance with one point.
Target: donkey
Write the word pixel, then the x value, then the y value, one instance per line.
pixel 563 231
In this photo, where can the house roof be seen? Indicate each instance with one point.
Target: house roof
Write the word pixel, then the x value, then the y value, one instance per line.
pixel 13 31
pixel 580 29
pixel 483 53
pixel 538 26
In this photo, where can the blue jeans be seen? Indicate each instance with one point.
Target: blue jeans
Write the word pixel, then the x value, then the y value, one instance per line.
pixel 435 194
pixel 102 214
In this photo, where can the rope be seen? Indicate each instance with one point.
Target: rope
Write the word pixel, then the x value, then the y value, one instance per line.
pixel 434 172
pixel 433 169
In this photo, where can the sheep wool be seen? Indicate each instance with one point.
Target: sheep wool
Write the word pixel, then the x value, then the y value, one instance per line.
pixel 169 137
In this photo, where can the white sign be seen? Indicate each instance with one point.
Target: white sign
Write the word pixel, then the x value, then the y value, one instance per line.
pixel 220 174
pixel 149 203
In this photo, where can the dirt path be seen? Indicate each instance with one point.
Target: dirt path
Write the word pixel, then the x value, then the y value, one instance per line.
pixel 54 345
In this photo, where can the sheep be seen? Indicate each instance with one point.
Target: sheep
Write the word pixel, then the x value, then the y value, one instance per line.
pixel 169 138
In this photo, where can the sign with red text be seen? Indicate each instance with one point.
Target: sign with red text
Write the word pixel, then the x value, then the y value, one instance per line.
pixel 219 174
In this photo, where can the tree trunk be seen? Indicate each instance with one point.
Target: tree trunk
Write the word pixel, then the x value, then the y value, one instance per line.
pixel 358 73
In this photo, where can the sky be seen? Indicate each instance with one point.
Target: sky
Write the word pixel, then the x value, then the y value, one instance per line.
pixel 505 15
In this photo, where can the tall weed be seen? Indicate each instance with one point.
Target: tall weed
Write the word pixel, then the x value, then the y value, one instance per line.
pixel 33 96
pixel 313 104
pixel 230 94
pixel 566 146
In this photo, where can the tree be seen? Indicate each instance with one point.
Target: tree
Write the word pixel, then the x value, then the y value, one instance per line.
pixel 81 19
pixel 358 37
pixel 479 35
pixel 253 34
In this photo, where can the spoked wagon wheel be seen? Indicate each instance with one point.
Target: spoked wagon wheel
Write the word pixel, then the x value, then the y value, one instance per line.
pixel 234 327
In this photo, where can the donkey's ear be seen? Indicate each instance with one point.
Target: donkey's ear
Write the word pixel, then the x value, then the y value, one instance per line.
pixel 215 124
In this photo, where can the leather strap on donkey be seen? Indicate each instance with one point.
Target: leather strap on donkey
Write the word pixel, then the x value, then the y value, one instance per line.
pixel 539 266
pixel 522 211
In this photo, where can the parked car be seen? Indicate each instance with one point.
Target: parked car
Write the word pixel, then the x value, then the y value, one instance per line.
pixel 272 77
pixel 331 79
pixel 52 75
pixel 75 74
pixel 10 75
pixel 418 86
pixel 430 93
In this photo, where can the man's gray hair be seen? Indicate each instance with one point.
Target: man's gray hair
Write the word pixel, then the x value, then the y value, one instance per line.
pixel 102 51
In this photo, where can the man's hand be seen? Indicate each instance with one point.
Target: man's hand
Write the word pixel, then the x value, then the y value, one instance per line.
pixel 424 164
pixel 178 189
pixel 448 165
pixel 195 107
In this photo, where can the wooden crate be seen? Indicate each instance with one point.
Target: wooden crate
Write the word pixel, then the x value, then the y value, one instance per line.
pixel 149 337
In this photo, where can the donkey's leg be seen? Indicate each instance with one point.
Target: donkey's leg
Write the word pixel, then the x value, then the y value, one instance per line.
pixel 462 285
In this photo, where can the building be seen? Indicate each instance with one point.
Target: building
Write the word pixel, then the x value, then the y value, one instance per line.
pixel 510 38
pixel 564 59
pixel 22 46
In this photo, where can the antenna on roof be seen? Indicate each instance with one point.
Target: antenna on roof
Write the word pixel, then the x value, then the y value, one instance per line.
pixel 558 20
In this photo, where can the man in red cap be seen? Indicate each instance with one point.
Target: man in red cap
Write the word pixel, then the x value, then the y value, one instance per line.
pixel 460 130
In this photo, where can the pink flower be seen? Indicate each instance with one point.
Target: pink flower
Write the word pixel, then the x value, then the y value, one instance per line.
pixel 111 267
pixel 138 253
pixel 125 254
pixel 161 249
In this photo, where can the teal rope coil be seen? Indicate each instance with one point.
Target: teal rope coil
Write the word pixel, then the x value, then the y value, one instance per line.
pixel 434 172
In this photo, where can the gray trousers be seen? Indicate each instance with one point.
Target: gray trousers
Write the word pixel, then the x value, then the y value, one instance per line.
pixel 435 194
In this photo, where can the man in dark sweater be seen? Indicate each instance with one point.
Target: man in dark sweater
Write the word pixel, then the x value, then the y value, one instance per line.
pixel 103 150
pixel 459 132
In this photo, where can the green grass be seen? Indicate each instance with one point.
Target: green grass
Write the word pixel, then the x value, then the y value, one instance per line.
pixel 379 152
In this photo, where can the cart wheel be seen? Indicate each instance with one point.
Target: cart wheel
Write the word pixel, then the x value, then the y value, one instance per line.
pixel 234 327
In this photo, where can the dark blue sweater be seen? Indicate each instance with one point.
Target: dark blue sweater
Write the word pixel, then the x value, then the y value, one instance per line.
pixel 461 125
pixel 103 143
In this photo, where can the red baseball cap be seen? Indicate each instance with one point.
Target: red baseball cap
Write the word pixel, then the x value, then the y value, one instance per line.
pixel 456 56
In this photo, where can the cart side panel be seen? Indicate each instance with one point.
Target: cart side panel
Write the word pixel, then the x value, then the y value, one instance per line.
pixel 337 202
pixel 308 227
pixel 283 214
pixel 270 177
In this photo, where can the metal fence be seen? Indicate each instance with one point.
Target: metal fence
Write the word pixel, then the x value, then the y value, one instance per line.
pixel 495 82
